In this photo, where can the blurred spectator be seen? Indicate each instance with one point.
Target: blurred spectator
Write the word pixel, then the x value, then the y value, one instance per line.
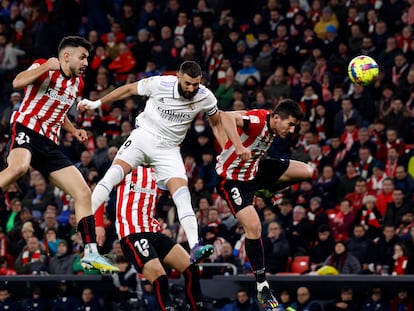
pixel 402 300
pixel 327 184
pixel 122 64
pixel 342 260
pixel 224 92
pixel 51 242
pixel 32 259
pixel 347 112
pixel 362 247
pixel 385 249
pixel 285 299
pixel 386 195
pixel 407 222
pixel 317 215
pixel 127 285
pixel 38 198
pixel 392 141
pixel 363 140
pixel 336 155
pixel 345 302
pixel 395 209
pixel 37 301
pixel 397 116
pixel 88 301
pixel 6 300
pixel 358 195
pixel 247 70
pixel 404 181
pixel 128 21
pixel 284 213
pixel 244 302
pixel 100 156
pixel 276 85
pixel 299 232
pixel 370 217
pixel 400 257
pixel 366 162
pixel 409 244
pixel 375 182
pixel 348 180
pixel 304 300
pixel 374 301
pixel 277 249
pixel 4 267
pixel 321 248
pixel 64 300
pixel 141 49
pixel 227 256
pixel 343 221
pixel 62 262
pixel 161 49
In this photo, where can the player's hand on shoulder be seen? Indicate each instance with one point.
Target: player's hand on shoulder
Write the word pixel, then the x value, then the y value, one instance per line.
pixel 86 104
pixel 53 63
pixel 80 135
pixel 243 153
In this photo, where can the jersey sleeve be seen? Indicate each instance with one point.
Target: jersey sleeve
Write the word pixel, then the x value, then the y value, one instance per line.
pixel 211 105
pixel 37 64
pixel 256 120
pixel 148 85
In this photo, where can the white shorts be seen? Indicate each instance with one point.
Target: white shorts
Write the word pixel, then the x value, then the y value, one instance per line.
pixel 142 146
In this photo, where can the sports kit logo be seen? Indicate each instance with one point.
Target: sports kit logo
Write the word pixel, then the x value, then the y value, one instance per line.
pixel 22 138
pixel 143 247
pixel 235 195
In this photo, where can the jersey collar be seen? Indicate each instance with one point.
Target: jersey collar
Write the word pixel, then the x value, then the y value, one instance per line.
pixel 176 94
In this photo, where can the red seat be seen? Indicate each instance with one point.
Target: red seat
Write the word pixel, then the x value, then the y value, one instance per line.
pixel 300 264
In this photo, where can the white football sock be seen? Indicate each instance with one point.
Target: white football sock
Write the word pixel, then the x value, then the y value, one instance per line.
pixel 186 216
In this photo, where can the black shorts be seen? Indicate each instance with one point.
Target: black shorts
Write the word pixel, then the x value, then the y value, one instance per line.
pixel 239 194
pixel 269 172
pixel 46 155
pixel 139 248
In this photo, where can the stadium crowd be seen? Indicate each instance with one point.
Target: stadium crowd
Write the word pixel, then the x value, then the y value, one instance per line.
pixel 356 215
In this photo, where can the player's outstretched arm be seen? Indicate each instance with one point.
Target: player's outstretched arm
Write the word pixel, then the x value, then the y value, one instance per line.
pixel 119 93
pixel 231 120
pixel 218 129
pixel 29 76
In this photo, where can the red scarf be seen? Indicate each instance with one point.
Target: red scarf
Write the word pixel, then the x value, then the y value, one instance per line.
pixel 369 218
pixel 390 168
pixel 30 257
pixel 362 168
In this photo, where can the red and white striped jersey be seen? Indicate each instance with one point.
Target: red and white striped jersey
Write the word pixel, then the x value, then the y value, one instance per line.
pixel 257 137
pixel 46 102
pixel 135 203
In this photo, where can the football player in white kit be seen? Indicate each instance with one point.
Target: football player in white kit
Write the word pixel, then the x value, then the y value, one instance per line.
pixel 173 103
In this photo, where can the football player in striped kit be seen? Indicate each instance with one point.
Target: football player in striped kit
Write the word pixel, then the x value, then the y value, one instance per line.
pixel 243 169
pixel 52 86
pixel 144 244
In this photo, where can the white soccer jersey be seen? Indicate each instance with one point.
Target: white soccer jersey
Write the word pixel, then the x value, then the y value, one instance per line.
pixel 257 138
pixel 46 102
pixel 167 114
pixel 135 203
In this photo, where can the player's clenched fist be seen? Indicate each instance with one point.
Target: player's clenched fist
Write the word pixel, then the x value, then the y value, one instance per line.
pixel 86 104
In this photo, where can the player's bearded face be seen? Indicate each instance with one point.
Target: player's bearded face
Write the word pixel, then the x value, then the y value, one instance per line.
pixel 79 62
pixel 188 87
pixel 285 126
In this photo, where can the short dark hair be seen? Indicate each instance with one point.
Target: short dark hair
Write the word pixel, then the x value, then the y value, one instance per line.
pixel 74 41
pixel 191 68
pixel 288 107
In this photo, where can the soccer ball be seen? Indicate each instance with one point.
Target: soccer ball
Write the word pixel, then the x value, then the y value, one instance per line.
pixel 363 70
